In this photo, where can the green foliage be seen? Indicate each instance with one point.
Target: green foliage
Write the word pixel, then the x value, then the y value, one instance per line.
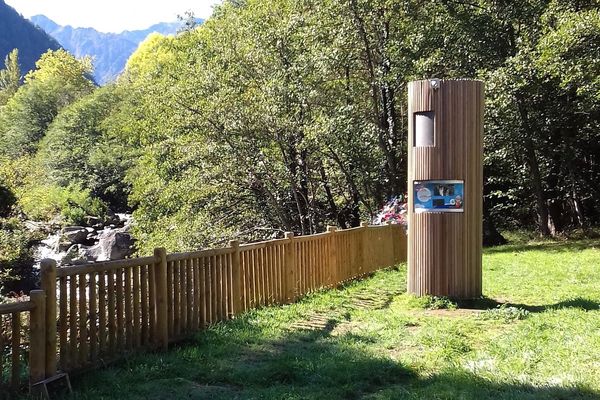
pixel 10 76
pixel 282 115
pixel 428 302
pixel 505 313
pixel 39 198
pixel 570 49
pixel 44 201
pixel 289 116
pixel 57 81
pixel 438 303
pixel 79 148
pixel 243 123
pixel 7 201
pixel 16 261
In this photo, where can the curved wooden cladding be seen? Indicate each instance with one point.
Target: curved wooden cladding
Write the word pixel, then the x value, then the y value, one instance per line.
pixel 444 249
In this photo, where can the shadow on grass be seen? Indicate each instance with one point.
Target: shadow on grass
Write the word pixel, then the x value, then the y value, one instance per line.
pixel 468 386
pixel 486 303
pixel 238 360
pixel 558 247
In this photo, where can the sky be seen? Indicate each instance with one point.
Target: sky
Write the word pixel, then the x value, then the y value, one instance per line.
pixel 112 15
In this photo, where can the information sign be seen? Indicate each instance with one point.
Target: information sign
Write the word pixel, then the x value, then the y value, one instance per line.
pixel 438 196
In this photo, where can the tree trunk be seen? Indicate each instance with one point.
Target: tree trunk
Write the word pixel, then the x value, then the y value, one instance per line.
pixel 534 169
pixel 383 101
pixel 491 236
pixel 334 212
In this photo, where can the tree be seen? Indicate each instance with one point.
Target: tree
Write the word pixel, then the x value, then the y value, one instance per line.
pixel 10 76
pixel 58 80
pixel 79 148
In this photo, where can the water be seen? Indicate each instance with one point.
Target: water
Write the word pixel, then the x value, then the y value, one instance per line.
pixel 49 247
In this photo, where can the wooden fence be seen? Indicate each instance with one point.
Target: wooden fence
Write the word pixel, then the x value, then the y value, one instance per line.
pixel 15 318
pixel 96 313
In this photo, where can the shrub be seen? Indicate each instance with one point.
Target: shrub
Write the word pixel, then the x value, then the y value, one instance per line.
pixel 7 200
pixel 505 313
pixel 45 201
pixel 16 260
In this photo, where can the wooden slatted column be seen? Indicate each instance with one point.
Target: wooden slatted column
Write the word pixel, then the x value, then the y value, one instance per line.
pixel 445 144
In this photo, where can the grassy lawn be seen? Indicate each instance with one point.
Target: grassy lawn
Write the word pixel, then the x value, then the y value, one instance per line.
pixel 535 335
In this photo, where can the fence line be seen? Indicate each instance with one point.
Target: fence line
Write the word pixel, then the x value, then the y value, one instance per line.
pixel 13 320
pixel 96 313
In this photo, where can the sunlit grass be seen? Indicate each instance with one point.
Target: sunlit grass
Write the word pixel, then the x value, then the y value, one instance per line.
pixel 535 335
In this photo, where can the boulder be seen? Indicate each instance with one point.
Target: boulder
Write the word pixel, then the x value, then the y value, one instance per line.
pixel 63 246
pixel 74 234
pixel 34 226
pixel 76 254
pixel 111 218
pixel 112 245
pixel 72 228
pixel 92 237
pixel 92 221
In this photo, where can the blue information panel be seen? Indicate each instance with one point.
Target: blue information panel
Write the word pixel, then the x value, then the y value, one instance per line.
pixel 438 196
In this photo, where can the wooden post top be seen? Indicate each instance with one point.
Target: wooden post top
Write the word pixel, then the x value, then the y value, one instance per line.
pixel 47 264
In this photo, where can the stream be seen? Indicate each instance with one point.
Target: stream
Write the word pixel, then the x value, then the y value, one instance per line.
pixel 102 241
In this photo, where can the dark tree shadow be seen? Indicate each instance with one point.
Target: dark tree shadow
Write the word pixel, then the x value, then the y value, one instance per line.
pixel 238 362
pixel 557 247
pixel 468 386
pixel 487 303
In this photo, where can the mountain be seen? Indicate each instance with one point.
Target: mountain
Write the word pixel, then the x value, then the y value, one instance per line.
pixel 109 50
pixel 18 32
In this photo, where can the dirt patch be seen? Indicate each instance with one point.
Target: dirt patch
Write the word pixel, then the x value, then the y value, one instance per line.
pixel 412 327
pixel 345 328
pixel 459 312
pixel 316 322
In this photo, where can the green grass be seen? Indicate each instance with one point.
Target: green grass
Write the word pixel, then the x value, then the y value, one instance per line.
pixel 535 335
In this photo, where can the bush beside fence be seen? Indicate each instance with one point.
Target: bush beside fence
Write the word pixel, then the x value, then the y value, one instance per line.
pixel 96 313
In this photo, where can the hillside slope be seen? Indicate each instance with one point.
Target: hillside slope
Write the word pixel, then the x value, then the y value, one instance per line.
pixel 17 32
pixel 109 50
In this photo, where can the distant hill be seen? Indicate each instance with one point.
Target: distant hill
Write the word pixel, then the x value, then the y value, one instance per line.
pixel 18 32
pixel 109 50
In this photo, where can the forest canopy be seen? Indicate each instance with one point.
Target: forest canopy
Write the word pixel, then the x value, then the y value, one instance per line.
pixel 288 115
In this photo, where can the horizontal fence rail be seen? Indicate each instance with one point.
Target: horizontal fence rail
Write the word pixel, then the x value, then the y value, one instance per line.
pixel 96 313
pixel 22 342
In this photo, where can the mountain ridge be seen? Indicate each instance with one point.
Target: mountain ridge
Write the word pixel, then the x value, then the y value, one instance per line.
pixel 18 32
pixel 110 51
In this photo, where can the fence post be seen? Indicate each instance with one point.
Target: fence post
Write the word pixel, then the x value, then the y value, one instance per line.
pixel 403 245
pixel 160 281
pixel 236 273
pixel 37 337
pixel 390 229
pixel 48 279
pixel 333 262
pixel 364 257
pixel 290 269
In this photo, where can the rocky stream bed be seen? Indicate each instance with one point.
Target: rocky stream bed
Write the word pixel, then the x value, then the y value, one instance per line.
pixel 96 240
